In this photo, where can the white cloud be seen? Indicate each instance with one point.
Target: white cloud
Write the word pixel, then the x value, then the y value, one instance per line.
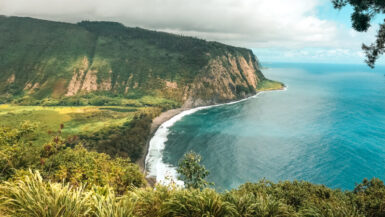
pixel 292 26
pixel 241 22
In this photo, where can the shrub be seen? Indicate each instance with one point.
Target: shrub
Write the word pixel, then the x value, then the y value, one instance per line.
pixel 370 197
pixel 249 204
pixel 60 163
pixel 125 141
pixel 192 172
pixel 78 166
pixel 150 201
pixel 35 198
pixel 105 203
pixel 195 203
pixel 330 209
pixel 14 153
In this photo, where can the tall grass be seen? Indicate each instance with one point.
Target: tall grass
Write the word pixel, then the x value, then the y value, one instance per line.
pixel 261 205
pixel 34 198
pixel 333 210
pixel 107 204
pixel 194 203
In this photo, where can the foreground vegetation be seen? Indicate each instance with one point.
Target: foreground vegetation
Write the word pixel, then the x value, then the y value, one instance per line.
pixel 55 179
pixel 58 162
pixel 364 13
pixel 32 196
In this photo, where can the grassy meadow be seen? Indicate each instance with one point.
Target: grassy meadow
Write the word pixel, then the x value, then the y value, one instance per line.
pixel 76 120
pixel 265 85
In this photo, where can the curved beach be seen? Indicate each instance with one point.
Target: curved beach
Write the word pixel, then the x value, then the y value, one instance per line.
pixel 153 164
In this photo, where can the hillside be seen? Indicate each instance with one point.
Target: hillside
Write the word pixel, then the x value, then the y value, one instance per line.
pixel 106 63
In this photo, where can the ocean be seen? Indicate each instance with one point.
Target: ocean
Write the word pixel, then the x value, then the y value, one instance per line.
pixel 327 127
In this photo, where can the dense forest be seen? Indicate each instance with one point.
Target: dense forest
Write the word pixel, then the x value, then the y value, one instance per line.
pixel 127 140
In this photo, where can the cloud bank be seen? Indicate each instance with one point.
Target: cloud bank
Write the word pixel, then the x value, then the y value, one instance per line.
pixel 288 24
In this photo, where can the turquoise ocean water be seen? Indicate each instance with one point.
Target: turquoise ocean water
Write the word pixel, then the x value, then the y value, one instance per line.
pixel 328 128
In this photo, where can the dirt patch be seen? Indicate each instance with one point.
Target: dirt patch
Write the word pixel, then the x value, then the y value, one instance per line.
pixel 11 79
pixel 59 88
pixel 172 85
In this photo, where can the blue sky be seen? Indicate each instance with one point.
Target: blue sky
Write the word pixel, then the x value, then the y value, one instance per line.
pixel 326 54
pixel 276 30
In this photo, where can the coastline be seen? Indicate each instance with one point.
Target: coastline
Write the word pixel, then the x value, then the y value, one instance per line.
pixel 168 115
pixel 156 123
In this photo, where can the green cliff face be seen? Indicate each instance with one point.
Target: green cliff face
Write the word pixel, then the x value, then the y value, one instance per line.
pixel 43 60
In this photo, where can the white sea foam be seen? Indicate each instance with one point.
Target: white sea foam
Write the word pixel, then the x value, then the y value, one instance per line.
pixel 164 172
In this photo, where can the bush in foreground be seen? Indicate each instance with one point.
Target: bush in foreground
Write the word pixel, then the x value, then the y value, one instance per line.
pixel 32 196
pixel 57 162
pixel 35 198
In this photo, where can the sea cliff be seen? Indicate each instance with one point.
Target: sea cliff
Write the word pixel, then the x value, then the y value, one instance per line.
pixel 53 63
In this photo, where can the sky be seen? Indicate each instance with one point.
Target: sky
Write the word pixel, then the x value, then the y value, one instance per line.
pixel 276 30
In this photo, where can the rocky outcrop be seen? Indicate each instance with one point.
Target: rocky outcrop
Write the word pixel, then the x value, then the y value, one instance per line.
pixel 11 79
pixel 90 81
pixel 77 79
pixel 172 85
pixel 225 78
pixel 86 80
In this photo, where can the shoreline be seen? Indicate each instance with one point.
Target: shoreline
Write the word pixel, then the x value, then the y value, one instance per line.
pixel 169 114
pixel 156 123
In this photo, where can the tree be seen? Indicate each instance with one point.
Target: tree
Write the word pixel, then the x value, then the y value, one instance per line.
pixel 59 163
pixel 364 12
pixel 14 152
pixel 192 172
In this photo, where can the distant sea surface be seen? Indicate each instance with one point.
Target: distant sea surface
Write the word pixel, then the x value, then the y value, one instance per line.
pixel 328 128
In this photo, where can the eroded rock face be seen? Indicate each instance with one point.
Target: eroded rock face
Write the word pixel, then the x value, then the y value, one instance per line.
pixel 249 71
pixel 31 87
pixel 172 85
pixel 90 81
pixel 86 80
pixel 11 79
pixel 224 79
pixel 106 84
pixel 77 79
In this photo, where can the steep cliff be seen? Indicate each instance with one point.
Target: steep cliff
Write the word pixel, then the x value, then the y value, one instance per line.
pixel 224 78
pixel 43 60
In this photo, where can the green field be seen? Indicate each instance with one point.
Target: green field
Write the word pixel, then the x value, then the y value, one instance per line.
pixel 265 85
pixel 76 120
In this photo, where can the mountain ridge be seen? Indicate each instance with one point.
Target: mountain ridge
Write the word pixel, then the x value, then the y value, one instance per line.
pixel 56 63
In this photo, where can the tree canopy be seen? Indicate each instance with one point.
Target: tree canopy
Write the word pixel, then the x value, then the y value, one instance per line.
pixel 364 12
pixel 192 172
